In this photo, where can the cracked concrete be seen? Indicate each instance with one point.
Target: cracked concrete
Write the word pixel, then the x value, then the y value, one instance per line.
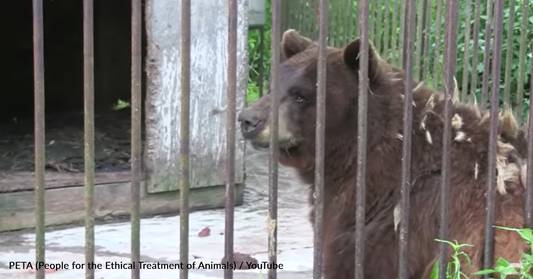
pixel 160 237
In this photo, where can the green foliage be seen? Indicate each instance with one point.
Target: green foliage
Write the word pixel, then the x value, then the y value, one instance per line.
pixel 453 269
pixel 254 56
pixel 385 31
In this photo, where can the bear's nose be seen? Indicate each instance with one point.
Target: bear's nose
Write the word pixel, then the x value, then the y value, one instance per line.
pixel 249 121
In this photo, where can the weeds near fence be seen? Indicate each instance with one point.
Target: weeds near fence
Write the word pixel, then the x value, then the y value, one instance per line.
pixel 502 267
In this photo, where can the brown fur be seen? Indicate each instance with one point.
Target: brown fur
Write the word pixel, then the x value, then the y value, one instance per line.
pixel 469 162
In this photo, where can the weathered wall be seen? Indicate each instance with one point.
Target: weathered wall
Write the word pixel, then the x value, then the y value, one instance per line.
pixel 209 62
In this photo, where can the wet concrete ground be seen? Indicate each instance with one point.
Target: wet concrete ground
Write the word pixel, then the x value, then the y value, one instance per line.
pixel 160 237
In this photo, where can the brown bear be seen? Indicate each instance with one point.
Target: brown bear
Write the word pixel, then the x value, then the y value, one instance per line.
pixel 469 162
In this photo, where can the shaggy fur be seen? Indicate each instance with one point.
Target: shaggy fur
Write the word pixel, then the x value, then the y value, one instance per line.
pixel 469 162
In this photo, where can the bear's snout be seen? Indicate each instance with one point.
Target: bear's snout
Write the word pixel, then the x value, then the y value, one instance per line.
pixel 249 123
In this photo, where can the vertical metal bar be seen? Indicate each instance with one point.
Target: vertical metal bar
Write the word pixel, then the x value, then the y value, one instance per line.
pixel 475 48
pixel 529 182
pixel 320 139
pixel 407 135
pixel 230 133
pixel 522 61
pixel 450 57
pixel 261 60
pixel 509 56
pixel 493 137
pixel 486 57
pixel 136 109
pixel 88 77
pixel 185 95
pixel 39 132
pixel 362 141
pixel 274 150
pixel 436 50
pixel 466 51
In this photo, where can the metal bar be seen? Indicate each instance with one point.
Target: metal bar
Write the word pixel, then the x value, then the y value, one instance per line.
pixel 185 94
pixel 509 56
pixel 320 139
pixel 466 51
pixel 39 133
pixel 450 57
pixel 529 182
pixel 436 57
pixel 274 150
pixel 230 134
pixel 493 137
pixel 362 141
pixel 88 78
pixel 136 110
pixel 522 61
pixel 486 57
pixel 475 48
pixel 409 34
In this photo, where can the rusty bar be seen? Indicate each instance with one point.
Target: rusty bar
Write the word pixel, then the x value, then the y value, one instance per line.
pixel 509 56
pixel 486 56
pixel 184 176
pixel 362 141
pixel 320 139
pixel 522 61
pixel 88 78
pixel 230 134
pixel 450 63
pixel 386 30
pixel 466 51
pixel 261 60
pixel 408 66
pixel 475 48
pixel 418 52
pixel 272 223
pixel 529 182
pixel 436 49
pixel 493 137
pixel 39 132
pixel 136 109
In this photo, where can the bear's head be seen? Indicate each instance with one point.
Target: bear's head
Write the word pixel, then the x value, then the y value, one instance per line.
pixel 298 94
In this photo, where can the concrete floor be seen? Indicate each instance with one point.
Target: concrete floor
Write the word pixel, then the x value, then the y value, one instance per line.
pixel 160 237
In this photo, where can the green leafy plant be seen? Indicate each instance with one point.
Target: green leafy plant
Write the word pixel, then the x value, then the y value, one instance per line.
pixel 505 268
pixel 453 269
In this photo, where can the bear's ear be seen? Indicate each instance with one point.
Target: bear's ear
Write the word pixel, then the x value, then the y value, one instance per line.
pixel 351 57
pixel 293 43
